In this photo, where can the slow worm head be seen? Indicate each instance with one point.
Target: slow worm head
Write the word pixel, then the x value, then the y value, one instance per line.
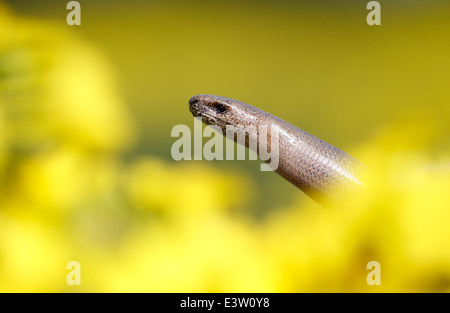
pixel 319 169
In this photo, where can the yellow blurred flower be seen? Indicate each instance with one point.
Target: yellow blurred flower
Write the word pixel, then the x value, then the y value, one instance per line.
pixel 56 89
pixel 401 221
pixel 153 225
pixel 185 190
pixel 32 253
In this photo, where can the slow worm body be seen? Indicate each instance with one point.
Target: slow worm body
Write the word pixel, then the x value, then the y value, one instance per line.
pixel 319 169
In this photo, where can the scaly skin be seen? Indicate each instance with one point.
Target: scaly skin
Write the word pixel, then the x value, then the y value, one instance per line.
pixel 319 169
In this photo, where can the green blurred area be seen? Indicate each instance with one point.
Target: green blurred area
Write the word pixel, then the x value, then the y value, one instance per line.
pixel 86 114
pixel 316 64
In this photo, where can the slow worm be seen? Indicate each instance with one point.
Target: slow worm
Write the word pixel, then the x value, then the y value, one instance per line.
pixel 319 169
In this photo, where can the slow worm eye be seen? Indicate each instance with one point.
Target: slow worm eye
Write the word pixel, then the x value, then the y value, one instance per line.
pixel 220 108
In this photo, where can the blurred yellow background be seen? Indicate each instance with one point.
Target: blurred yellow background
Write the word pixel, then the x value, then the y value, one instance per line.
pixel 86 173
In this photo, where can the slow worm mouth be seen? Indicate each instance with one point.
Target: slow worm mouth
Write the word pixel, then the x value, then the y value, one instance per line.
pixel 216 121
pixel 209 116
